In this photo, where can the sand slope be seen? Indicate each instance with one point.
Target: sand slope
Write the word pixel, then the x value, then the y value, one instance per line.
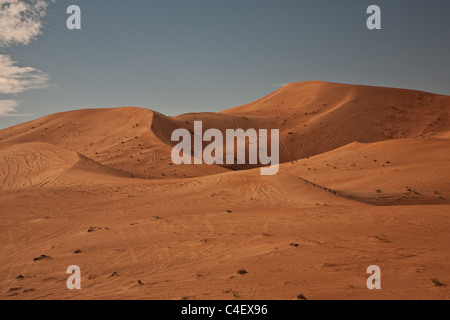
pixel 393 172
pixel 364 179
pixel 37 164
pixel 120 138
pixel 315 117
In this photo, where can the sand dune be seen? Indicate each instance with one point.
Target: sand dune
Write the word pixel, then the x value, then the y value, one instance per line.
pixel 364 179
pixel 316 117
pixel 313 117
pixel 38 164
pixel 400 171
pixel 117 138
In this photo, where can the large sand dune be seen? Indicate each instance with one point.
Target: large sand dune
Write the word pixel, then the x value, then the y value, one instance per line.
pixel 364 179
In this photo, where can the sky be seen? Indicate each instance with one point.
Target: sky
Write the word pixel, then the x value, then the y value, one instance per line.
pixel 179 56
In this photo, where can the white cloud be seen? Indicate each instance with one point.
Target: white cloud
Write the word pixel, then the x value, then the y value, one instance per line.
pixel 7 106
pixel 15 79
pixel 21 21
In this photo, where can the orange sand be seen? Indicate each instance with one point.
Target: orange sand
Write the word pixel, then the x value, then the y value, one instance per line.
pixel 364 179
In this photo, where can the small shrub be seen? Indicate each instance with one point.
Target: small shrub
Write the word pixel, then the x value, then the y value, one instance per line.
pixel 437 283
pixel 301 297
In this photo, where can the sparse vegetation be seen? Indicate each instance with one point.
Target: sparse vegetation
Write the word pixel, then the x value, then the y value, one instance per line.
pixel 42 257
pixel 436 282
pixel 301 297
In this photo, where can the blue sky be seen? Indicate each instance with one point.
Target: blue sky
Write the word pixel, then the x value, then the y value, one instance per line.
pixel 178 56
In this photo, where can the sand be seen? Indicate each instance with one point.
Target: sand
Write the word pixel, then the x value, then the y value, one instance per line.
pixel 364 180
